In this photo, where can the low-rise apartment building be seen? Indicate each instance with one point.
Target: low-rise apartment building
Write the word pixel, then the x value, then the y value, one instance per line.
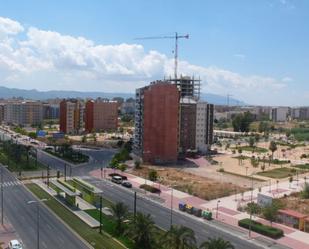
pixel 101 115
pixel 71 116
pixel 24 113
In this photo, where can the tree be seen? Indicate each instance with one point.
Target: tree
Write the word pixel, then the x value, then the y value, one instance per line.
pixel 270 212
pixel 122 167
pixel 32 135
pixel 84 139
pixel 153 175
pixel 216 243
pixel 264 127
pixel 254 162
pixel 253 208
pixel 179 237
pixel 290 181
pixel 142 231
pixel 272 148
pixel 27 149
pixel 120 212
pixel 251 142
pixel 137 164
pixel 305 191
pixel 242 121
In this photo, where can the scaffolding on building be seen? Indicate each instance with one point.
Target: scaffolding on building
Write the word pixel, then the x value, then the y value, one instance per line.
pixel 188 86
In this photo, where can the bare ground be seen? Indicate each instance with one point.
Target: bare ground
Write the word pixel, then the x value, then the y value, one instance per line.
pixel 202 187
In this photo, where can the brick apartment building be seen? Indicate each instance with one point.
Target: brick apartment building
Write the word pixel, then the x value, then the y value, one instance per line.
pixel 71 116
pixel 101 115
pixel 187 131
pixel 156 122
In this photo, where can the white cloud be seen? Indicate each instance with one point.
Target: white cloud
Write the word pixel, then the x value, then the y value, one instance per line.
pixel 240 56
pixel 49 60
pixel 9 27
pixel 287 79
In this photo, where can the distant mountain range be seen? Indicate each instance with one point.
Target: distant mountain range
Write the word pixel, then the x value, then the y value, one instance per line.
pixel 6 93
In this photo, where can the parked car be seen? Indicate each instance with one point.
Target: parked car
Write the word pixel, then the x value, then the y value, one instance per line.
pixel 127 184
pixel 117 179
pixel 15 244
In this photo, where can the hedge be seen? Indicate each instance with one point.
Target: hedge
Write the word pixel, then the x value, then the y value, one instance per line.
pixel 258 227
pixel 150 188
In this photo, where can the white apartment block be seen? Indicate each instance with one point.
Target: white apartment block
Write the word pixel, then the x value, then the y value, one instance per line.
pixel 280 114
pixel 204 126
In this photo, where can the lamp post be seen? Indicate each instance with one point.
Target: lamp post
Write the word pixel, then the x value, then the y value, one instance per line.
pixel 217 209
pixel 172 197
pixel 38 219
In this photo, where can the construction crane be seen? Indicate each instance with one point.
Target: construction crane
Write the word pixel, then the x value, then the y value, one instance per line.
pixel 176 37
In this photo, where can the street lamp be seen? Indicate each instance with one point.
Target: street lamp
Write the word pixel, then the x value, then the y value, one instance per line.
pixel 172 197
pixel 38 219
pixel 217 209
pixel 2 216
pixel 277 185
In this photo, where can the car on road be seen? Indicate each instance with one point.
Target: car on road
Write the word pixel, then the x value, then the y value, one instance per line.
pixel 126 184
pixel 117 179
pixel 15 244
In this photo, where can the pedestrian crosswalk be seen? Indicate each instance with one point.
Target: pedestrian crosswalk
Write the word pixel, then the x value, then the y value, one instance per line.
pixel 11 183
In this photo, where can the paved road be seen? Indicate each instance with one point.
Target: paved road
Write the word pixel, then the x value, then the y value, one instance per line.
pixel 53 233
pixel 161 216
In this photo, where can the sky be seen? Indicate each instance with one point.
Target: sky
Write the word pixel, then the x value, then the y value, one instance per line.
pixel 255 50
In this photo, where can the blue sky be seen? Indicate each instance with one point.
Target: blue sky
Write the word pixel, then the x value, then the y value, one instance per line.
pixel 255 50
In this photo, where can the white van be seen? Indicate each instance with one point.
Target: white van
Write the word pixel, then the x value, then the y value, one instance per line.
pixel 117 179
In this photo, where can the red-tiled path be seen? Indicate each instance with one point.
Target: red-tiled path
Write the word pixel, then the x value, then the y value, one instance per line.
pixel 226 214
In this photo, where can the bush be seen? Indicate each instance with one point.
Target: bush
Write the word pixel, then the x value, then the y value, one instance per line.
pixel 153 175
pixel 150 188
pixel 258 227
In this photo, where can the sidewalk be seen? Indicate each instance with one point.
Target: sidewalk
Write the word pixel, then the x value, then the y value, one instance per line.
pixel 7 233
pixel 227 206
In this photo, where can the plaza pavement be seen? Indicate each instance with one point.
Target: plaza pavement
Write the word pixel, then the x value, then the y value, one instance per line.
pixel 227 206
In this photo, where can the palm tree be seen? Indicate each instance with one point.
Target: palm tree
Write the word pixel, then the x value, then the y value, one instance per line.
pixel 272 148
pixel 179 237
pixel 216 243
pixel 120 212
pixel 142 231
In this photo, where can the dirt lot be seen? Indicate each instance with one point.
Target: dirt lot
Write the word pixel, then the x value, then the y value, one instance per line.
pixel 201 187
pixel 294 202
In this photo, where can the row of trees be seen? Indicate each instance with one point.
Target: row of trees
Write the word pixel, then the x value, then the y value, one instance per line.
pixel 18 154
pixel 142 231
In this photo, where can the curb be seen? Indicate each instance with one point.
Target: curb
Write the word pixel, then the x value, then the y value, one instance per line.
pixel 59 219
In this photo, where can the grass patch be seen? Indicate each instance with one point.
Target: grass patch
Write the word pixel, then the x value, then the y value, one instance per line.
pixel 253 149
pixel 92 236
pixel 109 226
pixel 302 166
pixel 280 173
pixel 246 177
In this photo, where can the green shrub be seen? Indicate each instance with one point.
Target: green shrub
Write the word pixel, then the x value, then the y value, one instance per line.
pixel 150 188
pixel 258 227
